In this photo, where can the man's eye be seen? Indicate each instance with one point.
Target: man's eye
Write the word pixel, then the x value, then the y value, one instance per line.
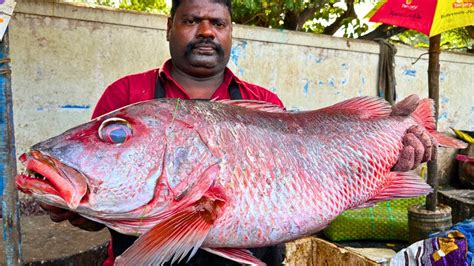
pixel 219 24
pixel 190 21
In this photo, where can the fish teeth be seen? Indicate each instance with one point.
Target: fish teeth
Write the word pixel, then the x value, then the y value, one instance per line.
pixel 35 175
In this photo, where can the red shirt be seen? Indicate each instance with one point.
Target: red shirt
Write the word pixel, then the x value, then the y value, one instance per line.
pixel 141 87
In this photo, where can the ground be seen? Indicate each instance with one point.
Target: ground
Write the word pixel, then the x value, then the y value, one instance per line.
pixel 47 243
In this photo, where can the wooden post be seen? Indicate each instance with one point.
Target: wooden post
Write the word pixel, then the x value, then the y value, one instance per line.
pixel 433 87
pixel 10 203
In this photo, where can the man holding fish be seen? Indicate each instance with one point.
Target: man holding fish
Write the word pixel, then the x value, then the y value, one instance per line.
pixel 200 38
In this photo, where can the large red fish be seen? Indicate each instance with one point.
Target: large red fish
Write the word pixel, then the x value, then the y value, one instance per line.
pixel 223 176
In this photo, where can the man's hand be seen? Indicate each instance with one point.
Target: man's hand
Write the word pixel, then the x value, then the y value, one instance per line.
pixel 418 147
pixel 58 215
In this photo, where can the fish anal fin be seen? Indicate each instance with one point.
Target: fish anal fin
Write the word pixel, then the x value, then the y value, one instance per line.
pixel 401 185
pixel 178 235
pixel 362 107
pixel 238 255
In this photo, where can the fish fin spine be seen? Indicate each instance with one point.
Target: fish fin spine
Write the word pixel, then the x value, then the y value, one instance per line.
pixel 364 107
pixel 402 185
pixel 255 105
pixel 424 116
pixel 238 255
pixel 406 106
pixel 182 233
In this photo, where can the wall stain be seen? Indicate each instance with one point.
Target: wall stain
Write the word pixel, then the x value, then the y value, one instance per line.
pixel 65 107
pixel 235 53
pixel 332 83
pixel 444 103
pixel 70 106
pixel 306 87
pixel 409 72
pixel 442 76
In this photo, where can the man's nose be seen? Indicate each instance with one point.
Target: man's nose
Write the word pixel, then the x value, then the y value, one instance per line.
pixel 206 30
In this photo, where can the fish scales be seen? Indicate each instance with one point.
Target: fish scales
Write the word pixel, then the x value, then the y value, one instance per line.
pixel 300 178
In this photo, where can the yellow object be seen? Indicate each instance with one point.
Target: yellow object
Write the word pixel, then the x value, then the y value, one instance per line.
pixel 466 137
pixel 430 17
pixel 452 14
pixel 447 245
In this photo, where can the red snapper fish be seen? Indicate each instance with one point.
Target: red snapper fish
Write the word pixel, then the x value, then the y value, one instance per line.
pixel 184 175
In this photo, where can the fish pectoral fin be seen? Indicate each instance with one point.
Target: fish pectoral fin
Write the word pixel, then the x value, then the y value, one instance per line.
pixel 238 255
pixel 401 185
pixel 178 235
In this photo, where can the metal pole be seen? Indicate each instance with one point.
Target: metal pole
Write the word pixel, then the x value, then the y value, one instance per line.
pixel 433 87
pixel 10 203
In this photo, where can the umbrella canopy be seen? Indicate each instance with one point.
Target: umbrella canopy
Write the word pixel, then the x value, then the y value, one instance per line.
pixel 430 17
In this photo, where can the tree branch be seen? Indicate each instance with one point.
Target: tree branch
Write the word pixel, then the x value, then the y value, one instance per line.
pixel 295 21
pixel 349 13
pixel 383 31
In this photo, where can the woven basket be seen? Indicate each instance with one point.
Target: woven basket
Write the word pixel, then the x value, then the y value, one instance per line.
pixel 385 221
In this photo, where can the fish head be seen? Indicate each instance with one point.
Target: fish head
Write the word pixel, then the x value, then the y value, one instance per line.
pixel 111 164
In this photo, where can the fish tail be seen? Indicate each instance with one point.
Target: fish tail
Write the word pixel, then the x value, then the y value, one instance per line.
pixel 424 116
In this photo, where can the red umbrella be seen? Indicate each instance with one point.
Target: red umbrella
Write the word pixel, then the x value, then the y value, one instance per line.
pixel 431 17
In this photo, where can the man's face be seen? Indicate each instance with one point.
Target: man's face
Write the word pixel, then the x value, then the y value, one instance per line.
pixel 200 37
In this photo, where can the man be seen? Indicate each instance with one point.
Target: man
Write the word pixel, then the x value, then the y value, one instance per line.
pixel 200 39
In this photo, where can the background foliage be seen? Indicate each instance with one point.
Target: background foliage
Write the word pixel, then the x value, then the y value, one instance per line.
pixel 332 17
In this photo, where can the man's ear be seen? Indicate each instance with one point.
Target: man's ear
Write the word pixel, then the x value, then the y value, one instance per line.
pixel 168 28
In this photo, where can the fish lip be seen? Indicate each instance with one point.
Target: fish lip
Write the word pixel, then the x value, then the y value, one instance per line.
pixel 60 179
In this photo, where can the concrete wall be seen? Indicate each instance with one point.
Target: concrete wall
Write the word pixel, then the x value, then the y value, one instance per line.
pixel 65 55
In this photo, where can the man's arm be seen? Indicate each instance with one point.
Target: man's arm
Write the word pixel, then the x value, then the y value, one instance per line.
pixel 114 97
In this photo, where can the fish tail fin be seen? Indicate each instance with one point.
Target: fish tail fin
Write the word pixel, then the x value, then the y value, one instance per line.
pixel 423 112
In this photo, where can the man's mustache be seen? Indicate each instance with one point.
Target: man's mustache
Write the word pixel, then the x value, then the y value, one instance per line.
pixel 216 46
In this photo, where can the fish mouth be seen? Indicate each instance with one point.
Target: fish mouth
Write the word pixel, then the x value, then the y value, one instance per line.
pixel 45 175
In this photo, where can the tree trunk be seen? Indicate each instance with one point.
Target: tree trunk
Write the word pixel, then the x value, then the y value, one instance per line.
pixel 350 13
pixel 433 87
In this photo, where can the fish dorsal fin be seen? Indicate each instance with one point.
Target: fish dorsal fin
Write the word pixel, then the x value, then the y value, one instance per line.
pixel 238 255
pixel 255 105
pixel 406 106
pixel 178 235
pixel 364 107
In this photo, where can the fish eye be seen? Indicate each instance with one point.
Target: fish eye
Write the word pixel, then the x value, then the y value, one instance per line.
pixel 115 130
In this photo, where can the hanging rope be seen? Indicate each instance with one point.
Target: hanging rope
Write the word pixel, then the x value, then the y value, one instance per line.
pixel 386 72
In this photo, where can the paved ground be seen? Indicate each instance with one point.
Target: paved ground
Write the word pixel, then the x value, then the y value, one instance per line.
pixel 43 240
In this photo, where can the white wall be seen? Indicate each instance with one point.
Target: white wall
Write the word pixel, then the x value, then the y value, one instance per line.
pixel 65 55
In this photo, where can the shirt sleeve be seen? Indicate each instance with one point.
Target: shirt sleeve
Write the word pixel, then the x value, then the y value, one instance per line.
pixel 114 97
pixel 273 98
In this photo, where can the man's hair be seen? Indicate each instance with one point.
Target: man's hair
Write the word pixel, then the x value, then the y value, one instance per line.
pixel 175 4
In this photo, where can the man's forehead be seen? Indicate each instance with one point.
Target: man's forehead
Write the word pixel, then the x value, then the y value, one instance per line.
pixel 201 8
